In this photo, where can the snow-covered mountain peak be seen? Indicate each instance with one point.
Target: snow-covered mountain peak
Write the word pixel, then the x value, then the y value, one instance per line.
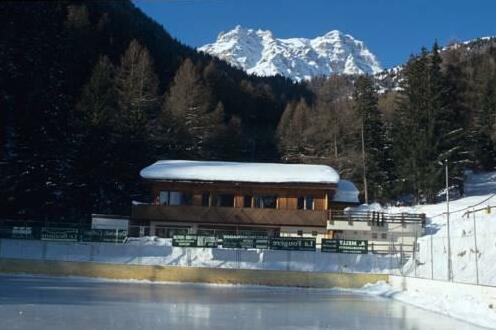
pixel 259 52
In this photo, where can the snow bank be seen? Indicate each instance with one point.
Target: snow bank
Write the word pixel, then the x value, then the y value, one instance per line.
pixel 239 172
pixel 470 303
pixel 153 251
pixel 374 207
pixel 149 240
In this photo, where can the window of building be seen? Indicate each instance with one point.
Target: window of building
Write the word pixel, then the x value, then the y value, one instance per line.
pixel 164 198
pixel 186 199
pixel 384 236
pixel 169 232
pixel 205 199
pixel 300 232
pixel 301 203
pixel 247 201
pixel 314 233
pixel 223 200
pixel 374 235
pixel 309 203
pixel 175 198
pixel 265 202
pixel 305 203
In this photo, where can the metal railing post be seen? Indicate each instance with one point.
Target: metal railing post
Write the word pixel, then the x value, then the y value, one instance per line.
pixel 432 257
pixel 415 256
pixel 476 252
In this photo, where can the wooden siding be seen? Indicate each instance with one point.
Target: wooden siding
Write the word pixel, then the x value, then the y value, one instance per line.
pixel 239 201
pixel 197 199
pixel 242 188
pixel 319 203
pixel 282 203
pixel 292 203
pixel 228 215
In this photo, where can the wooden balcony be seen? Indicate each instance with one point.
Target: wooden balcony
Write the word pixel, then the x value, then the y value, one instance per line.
pixel 230 215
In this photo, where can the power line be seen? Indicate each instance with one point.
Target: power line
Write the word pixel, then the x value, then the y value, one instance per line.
pixel 466 208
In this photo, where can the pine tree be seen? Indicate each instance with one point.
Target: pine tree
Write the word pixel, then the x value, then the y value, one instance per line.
pixel 92 172
pixel 410 127
pixel 98 101
pixel 453 127
pixel 485 128
pixel 436 131
pixel 372 136
pixel 431 110
pixel 137 86
pixel 292 131
pixel 192 112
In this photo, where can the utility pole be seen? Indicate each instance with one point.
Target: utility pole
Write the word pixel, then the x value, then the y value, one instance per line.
pixel 450 266
pixel 365 189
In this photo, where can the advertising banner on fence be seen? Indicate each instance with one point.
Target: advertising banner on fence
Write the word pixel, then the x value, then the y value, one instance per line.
pixel 245 242
pixel 293 243
pixel 194 241
pixel 22 232
pixel 344 246
pixel 59 234
pixel 104 235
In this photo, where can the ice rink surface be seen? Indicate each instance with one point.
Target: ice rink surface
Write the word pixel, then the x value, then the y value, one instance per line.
pixel 44 303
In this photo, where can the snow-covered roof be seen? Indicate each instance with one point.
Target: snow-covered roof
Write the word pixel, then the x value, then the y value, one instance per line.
pixel 187 170
pixel 346 192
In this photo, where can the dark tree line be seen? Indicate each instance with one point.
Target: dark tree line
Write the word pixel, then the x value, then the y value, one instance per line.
pixel 397 142
pixel 91 92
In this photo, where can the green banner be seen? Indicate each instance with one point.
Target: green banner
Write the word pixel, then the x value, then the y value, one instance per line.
pixel 59 234
pixel 194 241
pixel 22 232
pixel 206 241
pixel 245 242
pixel 344 246
pixel 293 243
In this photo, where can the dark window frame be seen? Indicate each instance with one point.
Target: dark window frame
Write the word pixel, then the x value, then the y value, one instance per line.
pixel 262 201
pixel 223 200
pixel 205 199
pixel 247 201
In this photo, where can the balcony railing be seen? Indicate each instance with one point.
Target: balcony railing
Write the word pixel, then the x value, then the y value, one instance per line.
pixel 377 218
pixel 230 215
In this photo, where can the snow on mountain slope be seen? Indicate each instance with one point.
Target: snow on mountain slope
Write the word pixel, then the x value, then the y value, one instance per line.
pixel 259 52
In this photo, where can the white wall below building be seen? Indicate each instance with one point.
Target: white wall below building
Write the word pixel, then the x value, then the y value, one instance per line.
pixel 148 253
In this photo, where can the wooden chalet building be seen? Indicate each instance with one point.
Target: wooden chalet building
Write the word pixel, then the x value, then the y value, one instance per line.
pixel 208 197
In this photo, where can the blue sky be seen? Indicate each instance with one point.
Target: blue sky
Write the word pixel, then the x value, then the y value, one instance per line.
pixel 391 29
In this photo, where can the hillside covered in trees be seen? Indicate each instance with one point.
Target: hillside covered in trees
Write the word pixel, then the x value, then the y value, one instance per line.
pixel 91 92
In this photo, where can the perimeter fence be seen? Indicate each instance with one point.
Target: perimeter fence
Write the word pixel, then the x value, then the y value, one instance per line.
pixel 59 231
pixel 464 254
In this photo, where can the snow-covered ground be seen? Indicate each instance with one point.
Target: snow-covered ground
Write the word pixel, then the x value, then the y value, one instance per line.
pixel 470 264
pixel 466 231
pixel 460 301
